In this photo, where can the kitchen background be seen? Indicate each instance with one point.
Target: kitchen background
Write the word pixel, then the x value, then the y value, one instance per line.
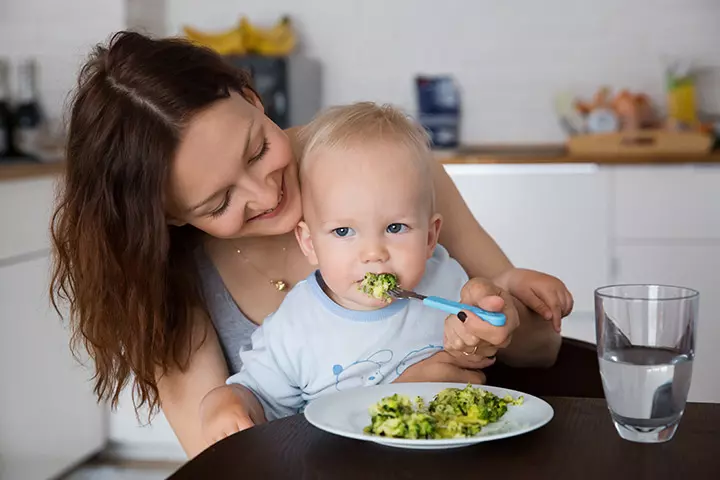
pixel 586 222
pixel 508 57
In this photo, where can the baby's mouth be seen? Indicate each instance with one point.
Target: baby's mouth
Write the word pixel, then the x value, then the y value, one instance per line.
pixel 376 273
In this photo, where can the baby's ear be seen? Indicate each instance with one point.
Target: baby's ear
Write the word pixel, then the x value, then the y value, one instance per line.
pixel 302 233
pixel 433 233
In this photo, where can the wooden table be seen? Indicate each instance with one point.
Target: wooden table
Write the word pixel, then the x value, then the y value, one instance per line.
pixel 579 443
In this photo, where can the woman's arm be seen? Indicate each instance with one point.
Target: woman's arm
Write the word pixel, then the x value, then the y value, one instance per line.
pixel 534 342
pixel 182 392
pixel 462 235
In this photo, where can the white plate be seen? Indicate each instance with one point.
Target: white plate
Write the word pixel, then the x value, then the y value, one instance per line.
pixel 346 414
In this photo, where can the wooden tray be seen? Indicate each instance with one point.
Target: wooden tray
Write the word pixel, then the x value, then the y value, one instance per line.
pixel 641 143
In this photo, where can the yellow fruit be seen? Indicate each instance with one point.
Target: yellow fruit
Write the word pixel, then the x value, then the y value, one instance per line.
pixel 244 38
pixel 229 42
pixel 277 40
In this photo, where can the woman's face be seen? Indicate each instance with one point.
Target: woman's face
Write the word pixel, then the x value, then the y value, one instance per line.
pixel 234 174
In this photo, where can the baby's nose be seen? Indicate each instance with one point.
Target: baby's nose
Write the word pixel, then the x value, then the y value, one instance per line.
pixel 375 253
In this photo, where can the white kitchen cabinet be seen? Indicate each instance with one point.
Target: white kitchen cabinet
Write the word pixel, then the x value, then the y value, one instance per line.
pixel 667 202
pixel 49 416
pixel 133 438
pixel 25 209
pixel 552 218
pixel 694 266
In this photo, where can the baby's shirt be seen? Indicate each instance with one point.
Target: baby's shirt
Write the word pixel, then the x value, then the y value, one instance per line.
pixel 312 346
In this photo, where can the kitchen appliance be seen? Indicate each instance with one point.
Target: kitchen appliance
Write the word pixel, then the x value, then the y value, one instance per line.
pixel 438 101
pixel 289 87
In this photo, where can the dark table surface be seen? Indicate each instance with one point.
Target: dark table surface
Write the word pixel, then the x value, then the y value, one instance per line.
pixel 579 443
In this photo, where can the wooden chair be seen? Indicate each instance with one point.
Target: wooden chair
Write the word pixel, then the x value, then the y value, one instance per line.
pixel 575 374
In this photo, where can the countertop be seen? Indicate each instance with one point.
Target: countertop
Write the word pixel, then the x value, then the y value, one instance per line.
pixel 469 155
pixel 23 170
pixel 557 154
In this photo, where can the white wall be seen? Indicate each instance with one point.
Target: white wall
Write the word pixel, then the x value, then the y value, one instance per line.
pixel 509 56
pixel 59 35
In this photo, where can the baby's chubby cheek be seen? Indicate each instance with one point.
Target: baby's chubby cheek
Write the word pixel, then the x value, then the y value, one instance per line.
pixel 410 277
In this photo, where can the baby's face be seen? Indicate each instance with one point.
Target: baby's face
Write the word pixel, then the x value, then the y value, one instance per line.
pixel 367 212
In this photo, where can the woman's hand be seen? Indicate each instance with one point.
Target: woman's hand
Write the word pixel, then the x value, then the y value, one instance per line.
pixel 474 342
pixel 223 412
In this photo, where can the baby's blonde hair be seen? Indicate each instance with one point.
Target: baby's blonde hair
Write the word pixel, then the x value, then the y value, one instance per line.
pixel 364 123
pixel 359 123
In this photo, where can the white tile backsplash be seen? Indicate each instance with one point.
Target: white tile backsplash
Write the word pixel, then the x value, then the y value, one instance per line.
pixel 510 57
pixel 59 35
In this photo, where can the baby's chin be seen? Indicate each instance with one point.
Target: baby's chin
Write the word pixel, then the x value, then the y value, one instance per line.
pixel 376 303
pixel 363 302
pixel 357 300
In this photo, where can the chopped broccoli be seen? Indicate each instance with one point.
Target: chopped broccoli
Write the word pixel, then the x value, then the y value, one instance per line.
pixel 377 285
pixel 452 413
pixel 396 417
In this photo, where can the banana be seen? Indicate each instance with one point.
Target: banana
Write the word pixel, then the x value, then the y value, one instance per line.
pixel 244 38
pixel 277 40
pixel 229 42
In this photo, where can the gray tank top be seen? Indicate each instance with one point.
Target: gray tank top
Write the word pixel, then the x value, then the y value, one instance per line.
pixel 233 328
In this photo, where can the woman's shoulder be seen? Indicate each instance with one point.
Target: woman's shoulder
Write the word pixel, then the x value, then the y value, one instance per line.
pixel 233 328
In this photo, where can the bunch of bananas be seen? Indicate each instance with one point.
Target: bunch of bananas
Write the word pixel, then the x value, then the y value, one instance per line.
pixel 246 38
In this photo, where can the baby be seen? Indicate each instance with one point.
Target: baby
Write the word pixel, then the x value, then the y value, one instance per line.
pixel 369 206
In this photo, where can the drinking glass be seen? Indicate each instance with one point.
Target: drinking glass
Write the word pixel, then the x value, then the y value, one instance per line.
pixel 646 346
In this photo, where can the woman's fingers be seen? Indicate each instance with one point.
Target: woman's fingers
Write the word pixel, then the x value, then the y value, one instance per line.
pixel 490 297
pixel 460 333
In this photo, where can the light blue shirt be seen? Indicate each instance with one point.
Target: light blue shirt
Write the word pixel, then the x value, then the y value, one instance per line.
pixel 312 346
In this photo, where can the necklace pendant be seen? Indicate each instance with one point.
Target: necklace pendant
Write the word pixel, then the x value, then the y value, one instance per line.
pixel 279 285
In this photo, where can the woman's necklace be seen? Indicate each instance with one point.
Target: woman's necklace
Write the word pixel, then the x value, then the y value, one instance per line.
pixel 279 284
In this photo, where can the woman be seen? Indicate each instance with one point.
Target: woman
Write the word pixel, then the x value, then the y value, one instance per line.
pixel 173 235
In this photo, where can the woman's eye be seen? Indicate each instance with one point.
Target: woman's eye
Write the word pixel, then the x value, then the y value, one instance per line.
pixel 343 232
pixel 261 153
pixel 222 208
pixel 397 228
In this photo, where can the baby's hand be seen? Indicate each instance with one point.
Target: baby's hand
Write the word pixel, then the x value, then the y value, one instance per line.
pixel 444 367
pixel 222 413
pixel 542 293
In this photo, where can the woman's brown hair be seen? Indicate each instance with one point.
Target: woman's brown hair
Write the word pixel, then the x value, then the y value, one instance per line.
pixel 128 277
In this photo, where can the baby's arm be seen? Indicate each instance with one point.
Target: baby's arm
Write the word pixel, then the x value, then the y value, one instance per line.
pixel 264 388
pixel 545 294
pixel 229 409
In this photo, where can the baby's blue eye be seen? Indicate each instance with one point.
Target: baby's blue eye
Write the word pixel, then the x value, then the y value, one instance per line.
pixel 397 228
pixel 344 232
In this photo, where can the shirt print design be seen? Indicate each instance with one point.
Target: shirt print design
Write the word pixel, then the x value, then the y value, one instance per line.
pixel 363 372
